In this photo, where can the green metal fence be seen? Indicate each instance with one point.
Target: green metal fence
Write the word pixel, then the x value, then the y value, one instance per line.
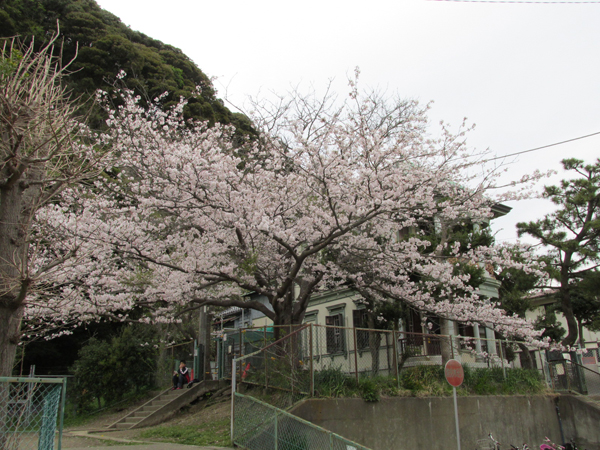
pixel 304 350
pixel 31 412
pixel 259 426
pixel 566 375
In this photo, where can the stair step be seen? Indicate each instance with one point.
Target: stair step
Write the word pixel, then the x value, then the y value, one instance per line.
pixel 150 408
pixel 161 402
pixel 132 420
pixel 176 393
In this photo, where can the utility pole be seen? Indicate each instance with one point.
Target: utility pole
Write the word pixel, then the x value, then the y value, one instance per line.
pixel 204 343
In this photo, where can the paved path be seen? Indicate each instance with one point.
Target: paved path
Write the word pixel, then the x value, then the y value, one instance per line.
pixel 152 446
pixel 132 444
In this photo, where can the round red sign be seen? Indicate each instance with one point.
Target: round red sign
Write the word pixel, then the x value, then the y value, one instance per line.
pixel 454 373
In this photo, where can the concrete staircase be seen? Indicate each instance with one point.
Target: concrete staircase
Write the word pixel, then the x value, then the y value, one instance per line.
pixel 165 405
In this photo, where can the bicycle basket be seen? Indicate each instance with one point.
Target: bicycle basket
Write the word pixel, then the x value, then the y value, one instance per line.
pixel 485 444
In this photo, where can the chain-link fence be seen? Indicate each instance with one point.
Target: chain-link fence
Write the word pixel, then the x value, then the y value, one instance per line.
pixel 292 363
pixel 566 375
pixel 259 426
pixel 235 343
pixel 280 366
pixel 31 410
pixel 357 351
pixel 169 359
pixel 190 352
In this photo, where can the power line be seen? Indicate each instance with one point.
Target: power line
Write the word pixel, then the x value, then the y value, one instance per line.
pixel 533 2
pixel 543 146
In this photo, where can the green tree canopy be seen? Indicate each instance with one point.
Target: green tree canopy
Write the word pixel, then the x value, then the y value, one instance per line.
pixel 571 233
pixel 104 46
pixel 111 369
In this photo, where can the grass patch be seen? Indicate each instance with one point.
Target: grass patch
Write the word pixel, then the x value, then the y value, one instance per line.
pixel 492 382
pixel 107 443
pixel 211 433
pixel 428 381
pixel 77 421
pixel 333 382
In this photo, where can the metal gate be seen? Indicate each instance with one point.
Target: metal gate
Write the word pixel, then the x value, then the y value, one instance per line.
pixel 31 411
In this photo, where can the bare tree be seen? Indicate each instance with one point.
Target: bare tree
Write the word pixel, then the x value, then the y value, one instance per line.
pixel 43 149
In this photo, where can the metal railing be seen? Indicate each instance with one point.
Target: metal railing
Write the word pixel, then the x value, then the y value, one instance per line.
pixel 566 375
pixel 302 350
pixel 31 410
pixel 279 367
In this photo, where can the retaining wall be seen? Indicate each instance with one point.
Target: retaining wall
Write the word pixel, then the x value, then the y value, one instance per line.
pixel 428 423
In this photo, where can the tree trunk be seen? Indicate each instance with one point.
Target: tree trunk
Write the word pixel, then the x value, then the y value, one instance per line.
pixel 446 329
pixel 567 310
pixel 11 297
pixel 526 360
pixel 565 301
pixel 580 329
pixel 282 324
pixel 374 345
pixel 10 324
pixel 15 221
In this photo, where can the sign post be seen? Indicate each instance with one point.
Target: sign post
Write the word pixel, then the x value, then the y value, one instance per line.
pixel 455 375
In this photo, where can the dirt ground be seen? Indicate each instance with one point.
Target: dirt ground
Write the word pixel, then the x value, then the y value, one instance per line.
pixel 95 434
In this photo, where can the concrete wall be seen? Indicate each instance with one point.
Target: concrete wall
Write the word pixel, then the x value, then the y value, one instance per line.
pixel 428 423
pixel 581 421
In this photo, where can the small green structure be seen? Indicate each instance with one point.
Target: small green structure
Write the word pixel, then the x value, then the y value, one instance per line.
pixel 31 411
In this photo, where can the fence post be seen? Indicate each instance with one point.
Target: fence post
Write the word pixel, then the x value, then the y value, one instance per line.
pixel 502 360
pixel 395 337
pixel 265 354
pixel 63 402
pixel 292 361
pixel 233 390
pixel 312 369
pixel 276 446
pixel 355 355
pixel 242 342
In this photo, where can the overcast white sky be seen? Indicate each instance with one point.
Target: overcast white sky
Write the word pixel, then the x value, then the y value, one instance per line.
pixel 526 74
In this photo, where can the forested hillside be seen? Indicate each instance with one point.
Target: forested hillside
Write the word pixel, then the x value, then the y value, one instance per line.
pixel 105 46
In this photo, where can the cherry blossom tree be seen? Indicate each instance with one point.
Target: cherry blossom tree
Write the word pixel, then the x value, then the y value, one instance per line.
pixel 42 151
pixel 188 219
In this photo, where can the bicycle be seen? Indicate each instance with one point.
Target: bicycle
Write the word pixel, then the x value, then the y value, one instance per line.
pixel 492 444
pixel 488 444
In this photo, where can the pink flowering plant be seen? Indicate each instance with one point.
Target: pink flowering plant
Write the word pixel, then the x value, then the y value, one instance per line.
pixel 187 216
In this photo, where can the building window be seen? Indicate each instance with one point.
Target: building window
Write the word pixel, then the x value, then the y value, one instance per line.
pixel 465 330
pixel 335 333
pixel 360 320
pixel 483 339
pixel 311 317
pixel 414 338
